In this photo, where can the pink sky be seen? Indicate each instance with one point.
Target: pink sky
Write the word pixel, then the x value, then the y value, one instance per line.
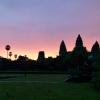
pixel 30 26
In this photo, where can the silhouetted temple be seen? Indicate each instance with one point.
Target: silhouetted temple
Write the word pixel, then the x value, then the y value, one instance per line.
pixel 78 61
pixel 63 50
pixel 41 56
pixel 95 49
pixel 79 41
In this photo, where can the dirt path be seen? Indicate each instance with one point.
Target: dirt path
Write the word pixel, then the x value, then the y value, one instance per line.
pixel 29 82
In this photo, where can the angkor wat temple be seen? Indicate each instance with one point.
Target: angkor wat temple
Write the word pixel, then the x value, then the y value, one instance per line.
pixel 65 61
pixel 95 50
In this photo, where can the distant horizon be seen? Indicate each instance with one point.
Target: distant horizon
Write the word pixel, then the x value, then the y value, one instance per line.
pixel 39 51
pixel 31 26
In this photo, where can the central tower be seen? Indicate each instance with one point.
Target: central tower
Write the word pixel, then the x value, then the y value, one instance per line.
pixel 79 41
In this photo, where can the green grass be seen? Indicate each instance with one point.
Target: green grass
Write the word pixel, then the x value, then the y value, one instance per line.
pixel 41 87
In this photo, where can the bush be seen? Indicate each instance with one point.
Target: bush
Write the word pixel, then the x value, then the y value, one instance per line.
pixel 95 82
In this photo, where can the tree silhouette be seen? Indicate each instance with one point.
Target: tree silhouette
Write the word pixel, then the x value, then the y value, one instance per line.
pixel 10 54
pixel 15 56
pixel 7 48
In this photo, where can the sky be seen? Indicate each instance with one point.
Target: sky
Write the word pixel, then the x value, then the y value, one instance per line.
pixel 30 26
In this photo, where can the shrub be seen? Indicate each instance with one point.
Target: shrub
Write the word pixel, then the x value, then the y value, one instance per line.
pixel 95 82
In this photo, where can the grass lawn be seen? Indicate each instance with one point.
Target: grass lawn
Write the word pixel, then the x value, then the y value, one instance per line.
pixel 45 87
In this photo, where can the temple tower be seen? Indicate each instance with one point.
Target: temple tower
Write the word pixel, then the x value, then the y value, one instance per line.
pixel 79 41
pixel 41 56
pixel 62 50
pixel 95 49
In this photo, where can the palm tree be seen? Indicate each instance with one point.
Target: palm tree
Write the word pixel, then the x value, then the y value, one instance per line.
pixel 15 56
pixel 10 54
pixel 7 48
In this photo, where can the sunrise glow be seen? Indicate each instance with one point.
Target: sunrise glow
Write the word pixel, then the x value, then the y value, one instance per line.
pixel 31 26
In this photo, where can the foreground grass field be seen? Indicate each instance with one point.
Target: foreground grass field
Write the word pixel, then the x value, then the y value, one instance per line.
pixel 45 87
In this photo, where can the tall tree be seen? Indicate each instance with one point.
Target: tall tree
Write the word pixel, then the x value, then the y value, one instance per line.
pixel 7 48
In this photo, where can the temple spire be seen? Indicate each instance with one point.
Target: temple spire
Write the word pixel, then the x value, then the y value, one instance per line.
pixel 63 50
pixel 95 49
pixel 79 41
